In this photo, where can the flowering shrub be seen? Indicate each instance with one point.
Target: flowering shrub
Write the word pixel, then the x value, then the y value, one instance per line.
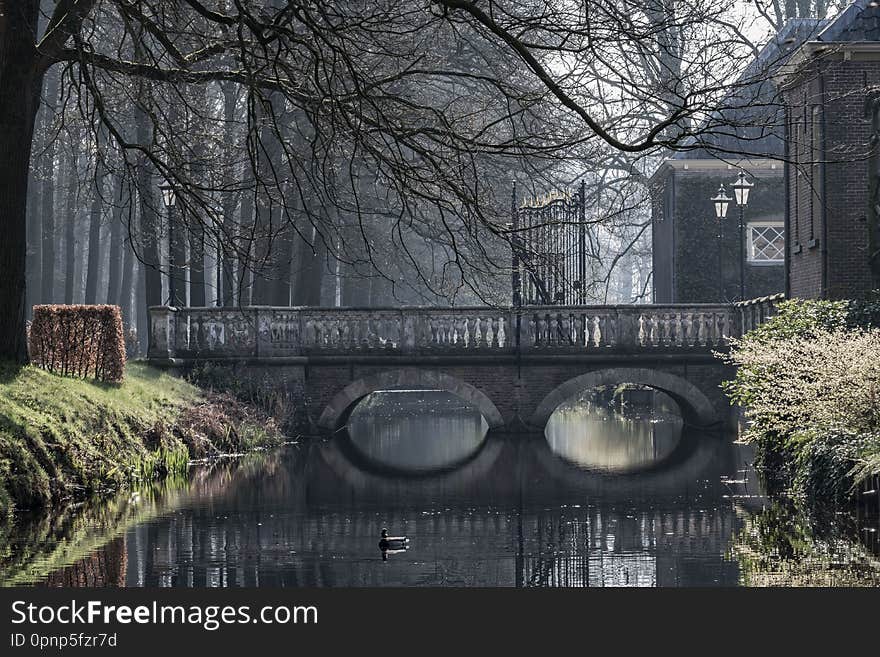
pixel 827 383
pixel 809 381
pixel 81 341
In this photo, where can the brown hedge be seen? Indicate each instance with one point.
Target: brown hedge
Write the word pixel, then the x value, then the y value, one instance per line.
pixel 77 340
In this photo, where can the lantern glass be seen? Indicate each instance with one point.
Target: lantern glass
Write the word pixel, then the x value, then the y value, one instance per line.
pixel 721 201
pixel 168 195
pixel 741 189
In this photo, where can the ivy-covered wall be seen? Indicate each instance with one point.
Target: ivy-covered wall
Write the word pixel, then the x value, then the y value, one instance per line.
pixel 698 264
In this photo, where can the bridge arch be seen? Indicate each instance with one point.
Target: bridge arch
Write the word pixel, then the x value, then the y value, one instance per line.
pixel 695 406
pixel 337 410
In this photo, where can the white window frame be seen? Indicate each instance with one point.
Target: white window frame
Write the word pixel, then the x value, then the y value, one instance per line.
pixel 750 246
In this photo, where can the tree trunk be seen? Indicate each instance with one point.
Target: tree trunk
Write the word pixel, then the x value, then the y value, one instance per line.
pixel 47 291
pixel 20 84
pixel 273 248
pixel 196 262
pixel 142 303
pixel 148 220
pixel 114 264
pixel 245 280
pixel 94 258
pixel 176 258
pixel 311 260
pixel 127 285
pixel 226 284
pixel 34 229
pixel 194 223
pixel 70 225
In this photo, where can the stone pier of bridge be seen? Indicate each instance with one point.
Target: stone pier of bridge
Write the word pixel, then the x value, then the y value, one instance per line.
pixel 515 364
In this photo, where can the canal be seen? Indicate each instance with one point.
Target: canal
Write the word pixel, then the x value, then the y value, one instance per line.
pixel 616 492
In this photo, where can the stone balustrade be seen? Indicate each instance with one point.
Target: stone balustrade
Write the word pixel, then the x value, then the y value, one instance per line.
pixel 754 312
pixel 261 331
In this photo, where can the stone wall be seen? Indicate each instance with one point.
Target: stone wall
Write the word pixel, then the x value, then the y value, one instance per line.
pixel 687 264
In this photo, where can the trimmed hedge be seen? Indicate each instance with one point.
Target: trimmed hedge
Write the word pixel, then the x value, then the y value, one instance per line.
pixel 78 340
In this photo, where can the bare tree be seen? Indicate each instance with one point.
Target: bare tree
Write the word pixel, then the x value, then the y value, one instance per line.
pixel 358 129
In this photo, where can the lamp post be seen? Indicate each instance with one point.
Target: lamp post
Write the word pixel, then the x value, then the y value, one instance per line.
pixel 721 202
pixel 169 199
pixel 741 189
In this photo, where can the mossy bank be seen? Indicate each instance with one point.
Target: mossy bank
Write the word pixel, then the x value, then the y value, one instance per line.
pixel 65 439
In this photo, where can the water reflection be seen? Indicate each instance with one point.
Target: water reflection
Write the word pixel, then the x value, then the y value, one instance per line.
pixel 512 514
pixel 616 431
pixel 416 431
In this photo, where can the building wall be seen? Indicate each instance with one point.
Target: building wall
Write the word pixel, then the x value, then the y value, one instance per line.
pixel 828 178
pixel 690 266
pixel 663 220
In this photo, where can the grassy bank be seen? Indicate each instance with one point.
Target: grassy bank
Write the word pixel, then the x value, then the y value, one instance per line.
pixel 62 438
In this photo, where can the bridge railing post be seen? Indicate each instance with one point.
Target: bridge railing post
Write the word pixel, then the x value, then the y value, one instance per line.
pixel 409 327
pixel 162 338
pixel 627 328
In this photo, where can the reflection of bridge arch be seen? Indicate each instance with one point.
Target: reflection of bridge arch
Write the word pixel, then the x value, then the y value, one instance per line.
pixel 337 410
pixel 694 405
pixel 379 484
pixel 697 460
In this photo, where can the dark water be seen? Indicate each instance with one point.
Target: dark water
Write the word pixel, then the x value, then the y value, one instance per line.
pixel 603 499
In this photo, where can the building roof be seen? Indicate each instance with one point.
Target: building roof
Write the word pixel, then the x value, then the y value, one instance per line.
pixel 750 124
pixel 860 21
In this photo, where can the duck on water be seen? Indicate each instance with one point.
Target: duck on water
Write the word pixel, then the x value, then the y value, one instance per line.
pixel 392 544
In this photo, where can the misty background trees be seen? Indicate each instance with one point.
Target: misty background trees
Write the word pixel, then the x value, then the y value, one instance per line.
pixel 342 153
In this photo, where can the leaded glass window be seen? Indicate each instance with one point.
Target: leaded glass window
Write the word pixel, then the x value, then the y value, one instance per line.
pixel 766 242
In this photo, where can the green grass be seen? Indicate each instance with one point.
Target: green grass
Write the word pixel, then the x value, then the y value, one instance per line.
pixel 64 438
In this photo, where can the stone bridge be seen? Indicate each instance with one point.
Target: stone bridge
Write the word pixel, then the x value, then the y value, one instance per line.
pixel 515 364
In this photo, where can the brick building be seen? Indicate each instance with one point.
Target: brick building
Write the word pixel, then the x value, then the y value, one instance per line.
pixel 697 258
pixel 826 86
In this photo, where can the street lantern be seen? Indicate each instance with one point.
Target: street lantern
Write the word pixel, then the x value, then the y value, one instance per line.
pixel 741 189
pixel 721 201
pixel 169 198
pixel 168 195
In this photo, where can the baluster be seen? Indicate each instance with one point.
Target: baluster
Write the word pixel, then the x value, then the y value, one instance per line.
pixel 611 337
pixel 677 329
pixel 461 338
pixel 372 333
pixel 599 335
pixel 345 334
pixel 653 331
pixel 318 330
pixel 432 331
pixel 579 321
pixel 722 328
pixel 338 332
pixel 356 332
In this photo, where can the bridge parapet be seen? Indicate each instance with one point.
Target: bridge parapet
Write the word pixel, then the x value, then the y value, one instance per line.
pixel 755 312
pixel 267 332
